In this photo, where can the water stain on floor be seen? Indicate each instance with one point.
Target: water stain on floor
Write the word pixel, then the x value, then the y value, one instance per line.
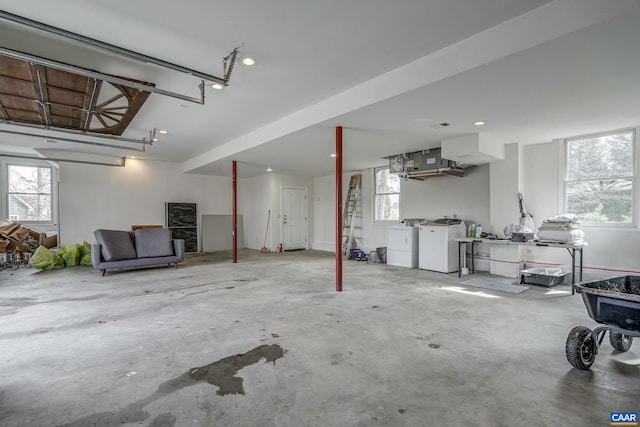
pixel 221 373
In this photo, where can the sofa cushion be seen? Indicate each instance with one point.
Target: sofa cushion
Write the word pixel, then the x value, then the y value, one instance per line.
pixel 115 245
pixel 153 242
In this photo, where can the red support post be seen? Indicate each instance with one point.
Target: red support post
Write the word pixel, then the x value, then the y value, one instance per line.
pixel 234 208
pixel 339 208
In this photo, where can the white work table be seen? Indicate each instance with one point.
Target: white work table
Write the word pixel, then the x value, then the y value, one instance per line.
pixel 571 247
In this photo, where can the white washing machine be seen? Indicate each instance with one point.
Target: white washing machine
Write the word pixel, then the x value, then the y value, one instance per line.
pixel 402 246
pixel 438 249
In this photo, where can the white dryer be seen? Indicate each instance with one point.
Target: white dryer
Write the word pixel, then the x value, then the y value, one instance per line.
pixel 402 246
pixel 437 248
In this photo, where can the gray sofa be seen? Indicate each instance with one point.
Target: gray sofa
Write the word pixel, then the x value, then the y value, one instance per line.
pixel 149 246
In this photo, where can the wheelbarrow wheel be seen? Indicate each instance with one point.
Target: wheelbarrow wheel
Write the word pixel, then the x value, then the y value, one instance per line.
pixel 580 348
pixel 619 341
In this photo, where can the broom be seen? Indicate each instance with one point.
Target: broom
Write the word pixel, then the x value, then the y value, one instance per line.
pixel 264 249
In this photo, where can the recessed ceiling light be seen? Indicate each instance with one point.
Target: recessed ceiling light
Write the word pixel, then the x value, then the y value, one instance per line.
pixel 479 123
pixel 162 131
pixel 334 155
pixel 248 61
pixel 217 86
pixel 268 169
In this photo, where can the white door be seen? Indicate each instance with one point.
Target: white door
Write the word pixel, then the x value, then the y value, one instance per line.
pixel 294 218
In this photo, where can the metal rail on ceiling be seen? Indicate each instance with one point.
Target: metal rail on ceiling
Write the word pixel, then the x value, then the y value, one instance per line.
pixel 51 139
pixel 228 61
pixel 100 76
pixel 73 132
pixel 109 47
pixel 51 159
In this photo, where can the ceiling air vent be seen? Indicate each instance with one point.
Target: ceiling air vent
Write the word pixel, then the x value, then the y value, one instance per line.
pixel 440 125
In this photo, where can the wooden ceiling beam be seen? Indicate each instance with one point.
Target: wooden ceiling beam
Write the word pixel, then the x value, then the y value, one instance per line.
pixel 111 116
pixel 136 99
pixel 101 120
pixel 111 100
pixel 15 79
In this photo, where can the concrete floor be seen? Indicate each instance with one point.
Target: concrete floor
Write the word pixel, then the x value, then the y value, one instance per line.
pixel 398 347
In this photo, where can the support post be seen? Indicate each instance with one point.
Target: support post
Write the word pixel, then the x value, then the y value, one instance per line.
pixel 339 208
pixel 234 208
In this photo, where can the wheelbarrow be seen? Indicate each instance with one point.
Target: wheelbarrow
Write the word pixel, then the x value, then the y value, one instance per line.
pixel 614 303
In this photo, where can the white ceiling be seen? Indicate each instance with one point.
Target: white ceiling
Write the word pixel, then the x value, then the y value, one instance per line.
pixel 386 71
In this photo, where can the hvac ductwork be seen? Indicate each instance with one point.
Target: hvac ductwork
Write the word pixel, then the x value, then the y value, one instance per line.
pixel 423 164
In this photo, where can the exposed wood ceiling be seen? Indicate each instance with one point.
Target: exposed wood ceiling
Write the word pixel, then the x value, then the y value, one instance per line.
pixel 40 95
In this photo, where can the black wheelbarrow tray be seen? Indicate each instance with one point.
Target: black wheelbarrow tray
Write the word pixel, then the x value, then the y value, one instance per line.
pixel 615 303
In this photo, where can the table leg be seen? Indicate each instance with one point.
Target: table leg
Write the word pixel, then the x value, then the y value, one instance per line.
pixel 473 258
pixel 573 270
pixel 581 263
pixel 460 258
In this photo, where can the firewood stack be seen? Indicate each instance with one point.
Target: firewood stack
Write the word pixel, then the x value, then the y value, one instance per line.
pixel 14 237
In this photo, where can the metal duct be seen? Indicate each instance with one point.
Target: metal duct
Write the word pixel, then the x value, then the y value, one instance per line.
pixel 423 164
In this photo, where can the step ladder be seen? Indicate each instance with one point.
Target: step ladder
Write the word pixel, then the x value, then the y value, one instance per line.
pixel 349 213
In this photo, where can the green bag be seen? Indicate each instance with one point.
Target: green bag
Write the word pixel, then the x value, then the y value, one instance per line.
pixel 45 259
pixel 70 254
pixel 85 253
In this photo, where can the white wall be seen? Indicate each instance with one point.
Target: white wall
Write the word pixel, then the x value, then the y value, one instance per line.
pixel 258 195
pixel 505 185
pixel 94 197
pixel 467 197
pixel 324 208
pixel 254 202
pixel 610 251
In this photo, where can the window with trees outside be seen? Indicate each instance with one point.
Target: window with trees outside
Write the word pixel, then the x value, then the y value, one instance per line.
pixel 29 193
pixel 387 195
pixel 600 178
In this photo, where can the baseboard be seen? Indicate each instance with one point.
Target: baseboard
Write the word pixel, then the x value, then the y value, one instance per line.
pixel 323 246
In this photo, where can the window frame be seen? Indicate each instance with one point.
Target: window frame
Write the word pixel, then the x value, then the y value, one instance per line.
pixel 634 178
pixel 375 194
pixel 4 188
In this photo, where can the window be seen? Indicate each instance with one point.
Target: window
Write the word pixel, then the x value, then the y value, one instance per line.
pixel 387 195
pixel 600 178
pixel 29 193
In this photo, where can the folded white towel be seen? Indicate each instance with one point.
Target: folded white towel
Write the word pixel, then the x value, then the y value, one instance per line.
pixel 564 218
pixel 559 226
pixel 572 236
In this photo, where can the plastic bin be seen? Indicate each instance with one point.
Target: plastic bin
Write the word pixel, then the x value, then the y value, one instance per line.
pixel 543 276
pixel 521 237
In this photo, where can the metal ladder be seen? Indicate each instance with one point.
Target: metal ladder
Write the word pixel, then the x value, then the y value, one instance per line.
pixel 349 213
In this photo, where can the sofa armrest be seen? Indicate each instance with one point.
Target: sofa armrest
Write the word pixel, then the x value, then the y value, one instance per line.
pixel 96 254
pixel 178 248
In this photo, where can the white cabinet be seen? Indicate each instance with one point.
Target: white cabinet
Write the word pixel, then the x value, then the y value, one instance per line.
pixel 402 246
